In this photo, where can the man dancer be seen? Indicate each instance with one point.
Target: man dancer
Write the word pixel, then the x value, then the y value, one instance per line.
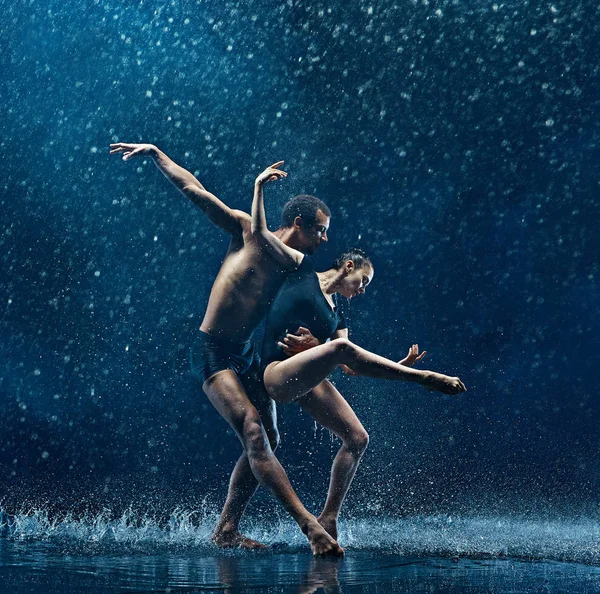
pixel 224 358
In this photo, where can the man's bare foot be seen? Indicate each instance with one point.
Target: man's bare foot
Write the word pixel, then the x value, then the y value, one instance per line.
pixel 235 540
pixel 321 544
pixel 330 525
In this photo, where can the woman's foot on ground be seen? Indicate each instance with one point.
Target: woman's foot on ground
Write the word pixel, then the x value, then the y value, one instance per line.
pixel 330 526
pixel 321 544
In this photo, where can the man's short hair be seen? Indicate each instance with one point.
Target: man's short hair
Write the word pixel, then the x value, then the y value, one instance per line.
pixel 304 206
pixel 358 256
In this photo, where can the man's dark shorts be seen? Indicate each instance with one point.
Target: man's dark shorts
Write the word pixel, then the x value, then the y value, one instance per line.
pixel 211 354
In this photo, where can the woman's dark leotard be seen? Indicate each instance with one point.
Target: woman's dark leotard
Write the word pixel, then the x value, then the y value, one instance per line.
pixel 299 302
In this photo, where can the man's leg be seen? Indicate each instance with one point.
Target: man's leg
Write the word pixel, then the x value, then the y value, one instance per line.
pixel 227 395
pixel 243 485
pixel 329 408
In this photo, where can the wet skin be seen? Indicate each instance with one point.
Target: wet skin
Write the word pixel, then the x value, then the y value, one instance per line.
pixel 245 285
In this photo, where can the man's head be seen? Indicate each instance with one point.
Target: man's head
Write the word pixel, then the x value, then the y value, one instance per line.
pixel 308 219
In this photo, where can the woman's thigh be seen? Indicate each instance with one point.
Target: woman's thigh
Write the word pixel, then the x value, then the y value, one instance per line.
pixel 287 380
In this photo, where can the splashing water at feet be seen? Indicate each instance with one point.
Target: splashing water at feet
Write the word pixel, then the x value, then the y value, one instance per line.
pixel 483 536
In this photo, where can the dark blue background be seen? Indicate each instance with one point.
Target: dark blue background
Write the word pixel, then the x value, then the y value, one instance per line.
pixel 457 142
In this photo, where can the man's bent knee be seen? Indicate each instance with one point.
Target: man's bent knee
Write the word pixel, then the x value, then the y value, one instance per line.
pixel 256 442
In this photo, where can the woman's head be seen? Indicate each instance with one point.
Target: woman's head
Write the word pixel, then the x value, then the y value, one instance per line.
pixel 356 271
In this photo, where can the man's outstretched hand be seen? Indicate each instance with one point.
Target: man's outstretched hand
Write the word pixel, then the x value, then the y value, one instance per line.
pixel 131 150
pixel 271 173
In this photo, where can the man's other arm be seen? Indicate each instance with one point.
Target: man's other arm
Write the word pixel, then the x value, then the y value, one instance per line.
pixel 217 211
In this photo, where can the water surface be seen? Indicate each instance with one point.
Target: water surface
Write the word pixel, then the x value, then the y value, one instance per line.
pixel 421 554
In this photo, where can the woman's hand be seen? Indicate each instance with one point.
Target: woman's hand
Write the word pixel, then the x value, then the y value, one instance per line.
pixel 347 370
pixel 413 356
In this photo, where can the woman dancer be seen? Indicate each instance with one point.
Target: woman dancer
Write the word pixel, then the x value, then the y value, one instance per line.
pixel 305 300
pixel 287 380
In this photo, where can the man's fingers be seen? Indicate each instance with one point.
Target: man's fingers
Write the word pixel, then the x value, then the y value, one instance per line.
pixel 286 349
pixel 135 152
pixel 119 148
pixel 276 165
pixel 302 330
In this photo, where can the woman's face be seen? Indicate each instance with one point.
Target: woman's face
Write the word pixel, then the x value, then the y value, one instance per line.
pixel 355 280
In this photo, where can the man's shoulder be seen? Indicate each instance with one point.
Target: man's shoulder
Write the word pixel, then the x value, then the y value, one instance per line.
pixel 243 221
pixel 242 217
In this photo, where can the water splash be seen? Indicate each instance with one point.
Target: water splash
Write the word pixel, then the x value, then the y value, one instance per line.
pixel 563 540
pixel 559 539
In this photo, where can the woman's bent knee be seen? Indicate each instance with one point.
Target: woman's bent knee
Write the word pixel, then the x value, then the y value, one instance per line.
pixel 358 442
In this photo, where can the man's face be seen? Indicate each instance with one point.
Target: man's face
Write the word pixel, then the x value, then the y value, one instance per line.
pixel 314 235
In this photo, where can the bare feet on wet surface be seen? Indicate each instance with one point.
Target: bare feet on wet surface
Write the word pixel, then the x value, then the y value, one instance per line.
pixel 330 525
pixel 234 540
pixel 321 544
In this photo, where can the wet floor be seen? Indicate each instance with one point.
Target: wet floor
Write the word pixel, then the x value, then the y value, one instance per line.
pixel 34 566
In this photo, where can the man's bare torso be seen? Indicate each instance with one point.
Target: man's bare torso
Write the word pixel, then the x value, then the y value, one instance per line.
pixel 244 288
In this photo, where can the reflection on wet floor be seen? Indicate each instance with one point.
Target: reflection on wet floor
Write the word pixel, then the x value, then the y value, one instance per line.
pixel 32 567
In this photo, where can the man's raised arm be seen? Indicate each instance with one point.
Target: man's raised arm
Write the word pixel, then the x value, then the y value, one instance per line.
pixel 284 254
pixel 219 213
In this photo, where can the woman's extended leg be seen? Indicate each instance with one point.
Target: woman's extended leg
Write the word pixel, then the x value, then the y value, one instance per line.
pixel 329 408
pixel 288 380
